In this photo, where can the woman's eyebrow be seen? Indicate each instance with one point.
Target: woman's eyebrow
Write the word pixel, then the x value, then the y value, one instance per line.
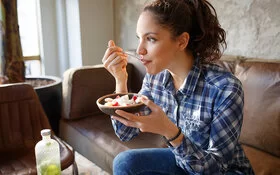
pixel 148 33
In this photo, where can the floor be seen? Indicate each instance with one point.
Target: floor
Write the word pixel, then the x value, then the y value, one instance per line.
pixel 85 167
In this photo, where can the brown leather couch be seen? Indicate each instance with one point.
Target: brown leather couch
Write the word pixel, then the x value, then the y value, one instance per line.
pixel 90 132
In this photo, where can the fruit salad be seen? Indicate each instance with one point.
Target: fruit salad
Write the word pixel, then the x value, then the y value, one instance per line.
pixel 122 101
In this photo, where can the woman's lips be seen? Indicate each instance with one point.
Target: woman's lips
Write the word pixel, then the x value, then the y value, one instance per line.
pixel 145 62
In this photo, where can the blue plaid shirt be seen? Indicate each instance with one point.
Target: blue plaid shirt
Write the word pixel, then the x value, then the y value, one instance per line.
pixel 208 108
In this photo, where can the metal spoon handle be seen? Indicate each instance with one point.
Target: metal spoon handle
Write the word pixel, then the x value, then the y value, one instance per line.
pixel 134 55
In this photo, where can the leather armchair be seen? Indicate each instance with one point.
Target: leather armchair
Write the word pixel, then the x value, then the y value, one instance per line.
pixel 21 120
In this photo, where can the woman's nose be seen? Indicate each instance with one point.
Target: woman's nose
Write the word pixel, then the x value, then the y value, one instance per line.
pixel 141 50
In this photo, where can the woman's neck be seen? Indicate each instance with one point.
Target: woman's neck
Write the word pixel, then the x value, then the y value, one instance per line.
pixel 181 68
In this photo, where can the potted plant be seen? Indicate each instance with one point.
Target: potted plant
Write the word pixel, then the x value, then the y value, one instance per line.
pixel 49 90
pixel 12 66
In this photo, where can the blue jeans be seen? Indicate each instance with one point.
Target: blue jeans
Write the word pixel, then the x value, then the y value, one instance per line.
pixel 150 161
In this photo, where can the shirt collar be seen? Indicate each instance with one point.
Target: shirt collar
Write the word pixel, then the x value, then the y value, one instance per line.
pixel 190 82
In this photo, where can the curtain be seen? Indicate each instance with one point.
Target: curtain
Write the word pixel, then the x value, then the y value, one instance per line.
pixel 12 57
pixel 2 80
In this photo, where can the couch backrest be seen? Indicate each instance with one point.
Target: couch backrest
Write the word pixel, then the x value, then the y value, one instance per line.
pixel 261 85
pixel 136 74
pixel 79 87
pixel 83 86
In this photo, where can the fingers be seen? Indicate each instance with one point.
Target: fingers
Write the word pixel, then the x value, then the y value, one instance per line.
pixel 111 43
pixel 126 118
pixel 114 59
pixel 123 121
pixel 149 103
pixel 125 115
pixel 112 48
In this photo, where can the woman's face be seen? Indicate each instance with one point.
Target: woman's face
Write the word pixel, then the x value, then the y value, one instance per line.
pixel 156 45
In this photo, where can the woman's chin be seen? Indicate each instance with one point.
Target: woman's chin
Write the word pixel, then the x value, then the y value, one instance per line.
pixel 152 71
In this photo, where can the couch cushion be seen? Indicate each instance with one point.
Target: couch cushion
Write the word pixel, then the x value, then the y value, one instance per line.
pixel 262 163
pixel 261 121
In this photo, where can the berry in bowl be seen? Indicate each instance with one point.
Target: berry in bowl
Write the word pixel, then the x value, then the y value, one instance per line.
pixel 129 102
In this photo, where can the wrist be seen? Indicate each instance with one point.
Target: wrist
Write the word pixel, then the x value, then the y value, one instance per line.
pixel 175 140
pixel 121 87
pixel 171 130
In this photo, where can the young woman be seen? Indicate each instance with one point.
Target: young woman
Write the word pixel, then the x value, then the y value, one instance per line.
pixel 195 105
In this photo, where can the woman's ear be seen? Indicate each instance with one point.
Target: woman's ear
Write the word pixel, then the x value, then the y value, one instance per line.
pixel 183 40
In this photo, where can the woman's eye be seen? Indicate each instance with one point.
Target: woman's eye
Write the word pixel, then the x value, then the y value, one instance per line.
pixel 151 39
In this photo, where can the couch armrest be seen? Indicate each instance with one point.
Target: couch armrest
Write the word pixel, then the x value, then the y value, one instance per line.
pixel 82 87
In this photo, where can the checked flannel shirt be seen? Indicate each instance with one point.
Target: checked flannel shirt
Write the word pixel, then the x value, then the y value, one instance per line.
pixel 209 109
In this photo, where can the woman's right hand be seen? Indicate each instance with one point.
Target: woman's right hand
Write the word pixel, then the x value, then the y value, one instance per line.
pixel 115 61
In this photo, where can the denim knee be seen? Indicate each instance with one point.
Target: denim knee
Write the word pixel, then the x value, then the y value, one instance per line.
pixel 122 164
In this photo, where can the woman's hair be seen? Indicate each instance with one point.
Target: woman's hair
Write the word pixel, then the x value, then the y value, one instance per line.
pixel 196 17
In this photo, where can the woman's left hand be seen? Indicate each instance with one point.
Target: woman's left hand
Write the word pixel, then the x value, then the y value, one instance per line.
pixel 156 122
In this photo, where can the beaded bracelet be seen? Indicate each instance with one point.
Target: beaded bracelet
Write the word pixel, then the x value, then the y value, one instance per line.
pixel 173 138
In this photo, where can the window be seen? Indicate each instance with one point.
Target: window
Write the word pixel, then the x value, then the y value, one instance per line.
pixel 29 35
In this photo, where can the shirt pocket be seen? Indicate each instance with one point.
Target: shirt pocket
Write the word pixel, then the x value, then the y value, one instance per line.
pixel 196 123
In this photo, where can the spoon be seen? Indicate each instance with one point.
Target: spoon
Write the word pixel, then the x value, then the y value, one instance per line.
pixel 134 55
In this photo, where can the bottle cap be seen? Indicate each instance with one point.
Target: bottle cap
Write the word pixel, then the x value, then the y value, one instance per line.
pixel 45 132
